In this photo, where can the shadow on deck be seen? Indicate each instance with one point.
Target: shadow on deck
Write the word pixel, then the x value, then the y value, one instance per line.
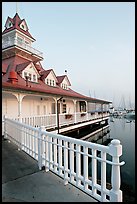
pixel 23 182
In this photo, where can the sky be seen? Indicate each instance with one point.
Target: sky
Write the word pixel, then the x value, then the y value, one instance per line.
pixel 93 41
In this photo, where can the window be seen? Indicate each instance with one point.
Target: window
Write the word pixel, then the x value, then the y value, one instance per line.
pixel 20 40
pixel 22 26
pixel 64 108
pixel 30 77
pixel 10 24
pixel 50 82
pixel 82 106
pixel 47 81
pixel 34 77
pixel 53 108
pixel 64 86
pixel 25 74
pixel 26 42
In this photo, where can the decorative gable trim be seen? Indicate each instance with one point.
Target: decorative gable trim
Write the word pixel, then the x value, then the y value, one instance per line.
pixel 44 74
pixel 30 67
pixel 23 25
pixel 66 78
pixel 8 23
pixel 62 78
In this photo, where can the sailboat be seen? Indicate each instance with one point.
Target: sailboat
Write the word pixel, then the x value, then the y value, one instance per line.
pixel 130 115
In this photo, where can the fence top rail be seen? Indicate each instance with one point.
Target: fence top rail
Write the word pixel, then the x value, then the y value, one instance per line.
pixel 78 141
pixel 22 124
pixel 65 138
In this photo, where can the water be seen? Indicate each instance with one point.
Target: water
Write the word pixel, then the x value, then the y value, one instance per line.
pixel 124 130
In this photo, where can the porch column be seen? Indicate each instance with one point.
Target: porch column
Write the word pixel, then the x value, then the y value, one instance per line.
pixel 19 98
pixel 86 108
pixel 75 116
pixel 56 111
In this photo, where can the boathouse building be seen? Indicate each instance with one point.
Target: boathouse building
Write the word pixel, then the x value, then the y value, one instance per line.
pixel 35 95
pixel 37 104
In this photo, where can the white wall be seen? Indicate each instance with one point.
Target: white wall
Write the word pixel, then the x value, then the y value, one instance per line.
pixel 9 105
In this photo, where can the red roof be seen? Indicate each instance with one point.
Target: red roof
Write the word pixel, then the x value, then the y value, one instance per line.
pixel 61 78
pixel 4 67
pixel 45 73
pixel 16 21
pixel 21 67
pixel 18 63
pixel 38 67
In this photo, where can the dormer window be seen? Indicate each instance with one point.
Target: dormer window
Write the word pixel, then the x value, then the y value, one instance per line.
pixel 32 77
pixel 47 81
pixel 50 82
pixel 64 86
pixel 25 74
pixel 10 24
pixel 22 26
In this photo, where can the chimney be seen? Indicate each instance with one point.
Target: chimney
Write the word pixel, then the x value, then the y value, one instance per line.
pixel 13 77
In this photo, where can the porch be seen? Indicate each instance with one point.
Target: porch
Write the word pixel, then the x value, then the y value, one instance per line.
pixel 74 160
pixel 53 113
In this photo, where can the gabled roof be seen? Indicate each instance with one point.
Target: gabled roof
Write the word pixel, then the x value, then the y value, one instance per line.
pixel 16 21
pixel 4 67
pixel 45 73
pixel 18 63
pixel 21 67
pixel 61 78
pixel 38 67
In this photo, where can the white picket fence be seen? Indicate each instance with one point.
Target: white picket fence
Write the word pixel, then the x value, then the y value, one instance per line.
pixel 69 158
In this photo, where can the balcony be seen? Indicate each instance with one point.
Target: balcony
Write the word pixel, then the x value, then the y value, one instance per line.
pixel 16 42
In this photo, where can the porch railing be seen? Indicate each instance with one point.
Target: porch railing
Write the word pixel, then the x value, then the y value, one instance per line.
pixel 50 121
pixel 15 41
pixel 75 160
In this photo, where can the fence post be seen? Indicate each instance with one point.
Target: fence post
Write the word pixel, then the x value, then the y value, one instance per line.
pixel 39 148
pixel 115 152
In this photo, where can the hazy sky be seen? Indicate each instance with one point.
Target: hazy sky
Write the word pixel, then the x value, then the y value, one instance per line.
pixel 93 41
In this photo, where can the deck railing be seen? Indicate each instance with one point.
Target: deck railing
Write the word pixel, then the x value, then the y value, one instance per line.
pixel 75 160
pixel 15 41
pixel 50 121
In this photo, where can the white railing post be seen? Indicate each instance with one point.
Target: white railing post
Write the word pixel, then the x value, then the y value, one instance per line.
pixel 39 149
pixel 115 152
pixel 47 153
pixel 78 165
pixel 94 172
pixel 65 163
pixel 71 162
pixel 60 156
pixel 85 167
pixel 103 176
pixel 55 154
